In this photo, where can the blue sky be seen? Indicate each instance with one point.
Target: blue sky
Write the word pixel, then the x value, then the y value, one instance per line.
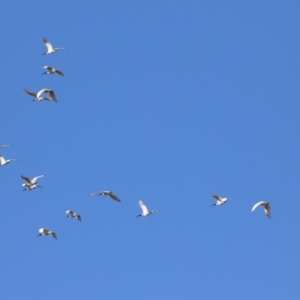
pixel 164 101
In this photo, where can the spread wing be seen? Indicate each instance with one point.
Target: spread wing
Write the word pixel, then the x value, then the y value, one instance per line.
pixel 59 73
pixel 113 196
pixel 26 178
pixel 36 178
pixel 2 160
pixel 257 204
pixel 143 207
pixel 268 210
pixel 48 45
pixel 97 193
pixel 30 93
pixel 53 234
pixel 218 198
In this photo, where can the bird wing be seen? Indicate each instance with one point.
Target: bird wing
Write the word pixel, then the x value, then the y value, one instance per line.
pixel 78 217
pixel 48 45
pixel 26 178
pixel 30 93
pixel 59 72
pixel 268 210
pixel 143 207
pixel 2 160
pixel 113 196
pixel 97 193
pixel 53 234
pixel 257 204
pixel 40 92
pixel 52 94
pixel 36 178
pixel 218 198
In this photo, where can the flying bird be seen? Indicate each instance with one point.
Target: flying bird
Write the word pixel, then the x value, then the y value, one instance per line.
pixel 72 214
pixel 145 211
pixel 50 48
pixel 220 201
pixel 4 161
pixel 31 184
pixel 266 205
pixel 38 96
pixel 4 146
pixel 44 231
pixel 107 193
pixel 51 70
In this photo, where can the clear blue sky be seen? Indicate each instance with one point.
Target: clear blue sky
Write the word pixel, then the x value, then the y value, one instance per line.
pixel 164 101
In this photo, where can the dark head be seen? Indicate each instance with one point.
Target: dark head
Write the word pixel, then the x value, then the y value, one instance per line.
pixel 138 216
pixel 213 204
pixel 39 234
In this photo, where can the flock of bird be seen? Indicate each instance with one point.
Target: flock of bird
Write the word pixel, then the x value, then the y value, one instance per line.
pixel 32 184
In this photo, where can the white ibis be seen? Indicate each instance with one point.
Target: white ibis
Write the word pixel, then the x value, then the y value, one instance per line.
pixel 31 183
pixel 4 161
pixel 72 214
pixel 266 205
pixel 44 231
pixel 38 96
pixel 50 48
pixel 145 211
pixel 220 201
pixel 107 193
pixel 51 70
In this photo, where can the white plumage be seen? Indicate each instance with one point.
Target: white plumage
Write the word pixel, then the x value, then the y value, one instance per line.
pixel 145 211
pixel 220 201
pixel 4 161
pixel 50 48
pixel 266 205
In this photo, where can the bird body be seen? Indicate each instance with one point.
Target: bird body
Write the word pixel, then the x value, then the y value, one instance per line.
pixel 50 48
pixel 51 70
pixel 44 231
pixel 72 214
pixel 266 205
pixel 38 96
pixel 4 161
pixel 107 193
pixel 145 211
pixel 220 201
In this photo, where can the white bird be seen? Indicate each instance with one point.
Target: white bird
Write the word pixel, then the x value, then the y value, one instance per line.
pixel 4 161
pixel 145 211
pixel 31 183
pixel 220 201
pixel 51 70
pixel 4 146
pixel 50 48
pixel 44 231
pixel 107 193
pixel 38 96
pixel 266 205
pixel 28 187
pixel 72 214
